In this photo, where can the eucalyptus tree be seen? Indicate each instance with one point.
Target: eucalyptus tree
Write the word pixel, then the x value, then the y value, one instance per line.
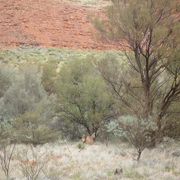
pixel 148 32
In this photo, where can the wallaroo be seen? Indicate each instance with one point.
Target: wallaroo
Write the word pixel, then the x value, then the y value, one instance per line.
pixel 88 139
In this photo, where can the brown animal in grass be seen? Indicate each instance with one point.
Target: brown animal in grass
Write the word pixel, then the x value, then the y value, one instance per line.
pixel 88 139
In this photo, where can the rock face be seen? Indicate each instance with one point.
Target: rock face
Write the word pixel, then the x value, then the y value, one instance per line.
pixel 48 23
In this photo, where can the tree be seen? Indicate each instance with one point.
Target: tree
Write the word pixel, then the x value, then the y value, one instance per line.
pixel 28 108
pixel 83 96
pixel 148 33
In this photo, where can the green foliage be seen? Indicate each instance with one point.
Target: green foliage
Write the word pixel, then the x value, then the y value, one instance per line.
pixel 4 83
pixel 26 90
pixel 27 107
pixel 81 146
pixel 32 129
pixel 136 131
pixel 68 129
pixel 7 73
pixel 6 134
pixel 83 95
pixel 149 33
pixel 172 128
pixel 49 76
pixel 47 55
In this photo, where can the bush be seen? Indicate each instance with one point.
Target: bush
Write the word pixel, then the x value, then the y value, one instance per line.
pixel 81 146
pixel 68 129
pixel 32 163
pixel 32 129
pixel 136 131
pixel 6 147
pixel 172 128
pixel 28 107
pixel 83 96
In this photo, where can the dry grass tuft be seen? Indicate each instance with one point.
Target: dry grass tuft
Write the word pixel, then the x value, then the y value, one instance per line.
pixel 98 161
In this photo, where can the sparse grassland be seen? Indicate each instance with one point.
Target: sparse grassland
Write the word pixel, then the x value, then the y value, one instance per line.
pixel 42 55
pixel 98 161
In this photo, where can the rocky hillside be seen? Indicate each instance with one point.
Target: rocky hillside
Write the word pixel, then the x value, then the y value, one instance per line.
pixel 48 23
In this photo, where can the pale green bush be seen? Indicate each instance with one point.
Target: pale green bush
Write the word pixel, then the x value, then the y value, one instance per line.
pixel 135 130
pixel 28 107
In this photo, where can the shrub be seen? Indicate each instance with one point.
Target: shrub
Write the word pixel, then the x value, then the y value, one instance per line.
pixel 32 163
pixel 28 107
pixel 83 96
pixel 135 130
pixel 81 146
pixel 32 129
pixel 68 129
pixel 6 147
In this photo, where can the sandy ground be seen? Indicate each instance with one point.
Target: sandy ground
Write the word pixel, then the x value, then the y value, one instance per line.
pixel 65 161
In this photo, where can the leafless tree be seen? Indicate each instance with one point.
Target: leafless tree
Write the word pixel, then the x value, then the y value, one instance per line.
pixel 6 154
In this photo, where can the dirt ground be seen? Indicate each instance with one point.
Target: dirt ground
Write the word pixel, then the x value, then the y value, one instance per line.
pixel 49 23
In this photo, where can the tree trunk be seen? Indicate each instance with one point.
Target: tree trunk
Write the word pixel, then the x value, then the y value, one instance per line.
pixel 139 155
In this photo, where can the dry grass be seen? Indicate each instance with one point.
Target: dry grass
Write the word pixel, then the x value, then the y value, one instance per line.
pixel 96 162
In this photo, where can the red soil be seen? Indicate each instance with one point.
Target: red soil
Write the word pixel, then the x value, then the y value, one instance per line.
pixel 48 23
